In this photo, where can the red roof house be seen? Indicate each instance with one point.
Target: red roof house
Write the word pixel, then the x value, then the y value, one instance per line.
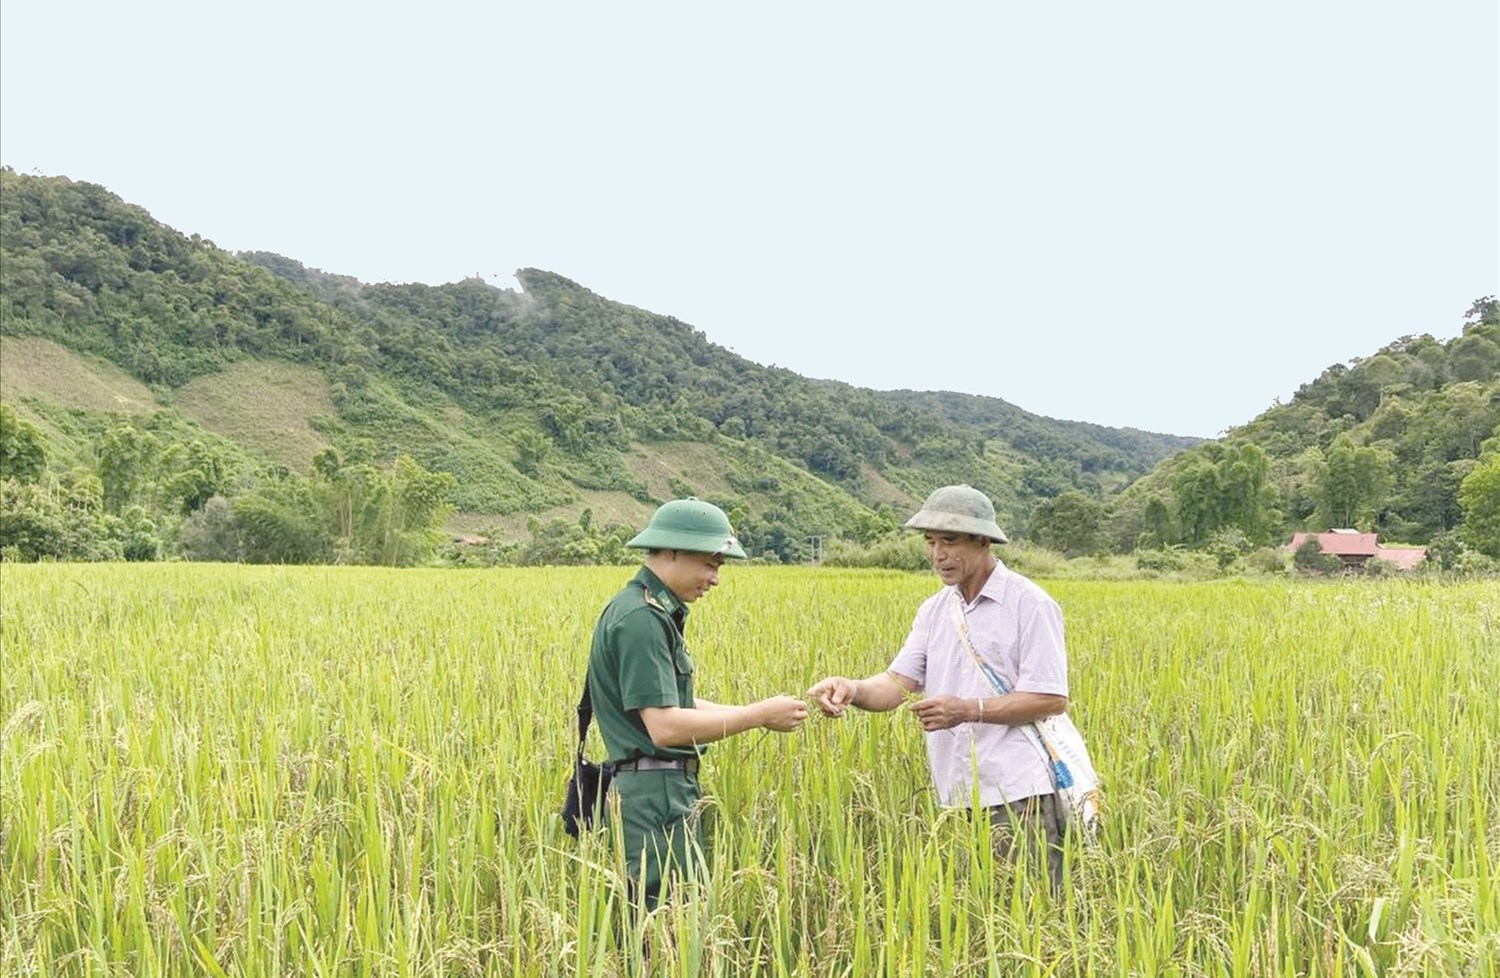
pixel 1355 549
pixel 1405 558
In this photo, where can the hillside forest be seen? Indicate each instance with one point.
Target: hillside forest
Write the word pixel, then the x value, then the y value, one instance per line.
pixel 161 398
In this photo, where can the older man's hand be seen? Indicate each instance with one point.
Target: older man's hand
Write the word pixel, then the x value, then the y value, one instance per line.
pixel 942 712
pixel 834 694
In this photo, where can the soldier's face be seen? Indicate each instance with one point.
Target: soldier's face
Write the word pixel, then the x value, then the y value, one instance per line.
pixel 693 574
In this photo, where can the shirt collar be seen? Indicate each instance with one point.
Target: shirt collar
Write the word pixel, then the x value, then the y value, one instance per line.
pixel 994 585
pixel 660 595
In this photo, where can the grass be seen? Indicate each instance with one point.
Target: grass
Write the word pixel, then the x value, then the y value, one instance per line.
pixel 275 771
pixel 663 465
pixel 33 369
pixel 266 405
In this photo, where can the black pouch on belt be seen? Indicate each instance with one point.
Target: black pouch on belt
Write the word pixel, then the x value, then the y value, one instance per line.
pixel 589 785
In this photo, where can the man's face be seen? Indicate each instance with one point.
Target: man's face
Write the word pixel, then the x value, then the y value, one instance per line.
pixel 692 574
pixel 955 556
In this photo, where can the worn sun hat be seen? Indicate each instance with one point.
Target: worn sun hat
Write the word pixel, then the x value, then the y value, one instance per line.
pixel 958 509
pixel 692 525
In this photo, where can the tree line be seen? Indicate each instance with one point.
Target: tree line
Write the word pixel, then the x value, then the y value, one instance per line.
pixel 148 494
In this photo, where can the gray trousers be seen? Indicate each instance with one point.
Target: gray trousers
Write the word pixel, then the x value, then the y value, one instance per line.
pixel 1037 824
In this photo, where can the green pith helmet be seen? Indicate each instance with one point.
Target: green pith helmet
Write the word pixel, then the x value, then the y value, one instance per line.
pixel 689 524
pixel 958 509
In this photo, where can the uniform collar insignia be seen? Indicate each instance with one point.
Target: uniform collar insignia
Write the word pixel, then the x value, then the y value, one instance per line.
pixel 658 595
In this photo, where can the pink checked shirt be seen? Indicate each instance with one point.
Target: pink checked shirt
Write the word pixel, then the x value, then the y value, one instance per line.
pixel 1018 629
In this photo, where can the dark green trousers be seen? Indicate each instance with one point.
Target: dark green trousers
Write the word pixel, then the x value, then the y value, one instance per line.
pixel 659 829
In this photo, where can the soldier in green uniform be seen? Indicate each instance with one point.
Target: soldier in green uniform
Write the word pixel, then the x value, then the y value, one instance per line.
pixel 641 682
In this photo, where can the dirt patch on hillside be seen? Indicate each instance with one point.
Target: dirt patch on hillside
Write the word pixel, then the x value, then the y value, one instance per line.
pixel 698 467
pixel 34 367
pixel 882 490
pixel 265 404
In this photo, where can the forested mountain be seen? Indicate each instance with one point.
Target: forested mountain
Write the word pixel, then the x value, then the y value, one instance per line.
pixel 289 396
pixel 648 377
pixel 162 395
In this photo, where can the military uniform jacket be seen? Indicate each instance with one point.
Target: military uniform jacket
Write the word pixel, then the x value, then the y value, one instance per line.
pixel 639 659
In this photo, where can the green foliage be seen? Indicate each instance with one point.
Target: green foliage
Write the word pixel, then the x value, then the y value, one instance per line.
pixel 653 378
pixel 1159 559
pixel 23 447
pixel 132 481
pixel 1485 310
pixel 1381 444
pixel 1217 486
pixel 1069 523
pixel 1157 520
pixel 279 523
pixel 1266 561
pixel 567 379
pixel 532 448
pixel 1310 558
pixel 96 274
pixel 142 542
pixel 127 465
pixel 31 522
pixel 1450 555
pixel 1227 544
pixel 211 534
pixel 409 414
pixel 342 513
pixel 195 473
pixel 559 542
pixel 903 551
pixel 63 520
pixel 1178 564
pixel 418 508
pixel 1352 482
pixel 1479 495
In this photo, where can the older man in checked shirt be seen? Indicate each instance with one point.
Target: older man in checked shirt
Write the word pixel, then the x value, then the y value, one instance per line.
pixel 972 730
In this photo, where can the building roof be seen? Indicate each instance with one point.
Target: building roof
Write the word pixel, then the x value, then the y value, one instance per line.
pixel 1403 557
pixel 1341 543
pixel 1352 543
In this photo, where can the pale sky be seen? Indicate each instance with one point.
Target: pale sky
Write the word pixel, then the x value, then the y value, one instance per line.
pixel 1163 215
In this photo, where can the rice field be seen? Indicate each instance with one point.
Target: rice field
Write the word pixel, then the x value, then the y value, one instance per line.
pixel 258 771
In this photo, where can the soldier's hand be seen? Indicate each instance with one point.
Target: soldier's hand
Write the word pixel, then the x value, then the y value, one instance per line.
pixel 942 712
pixel 782 713
pixel 833 694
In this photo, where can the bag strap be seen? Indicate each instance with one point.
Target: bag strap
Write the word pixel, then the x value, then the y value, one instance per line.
pixel 585 715
pixel 961 623
pixel 1061 776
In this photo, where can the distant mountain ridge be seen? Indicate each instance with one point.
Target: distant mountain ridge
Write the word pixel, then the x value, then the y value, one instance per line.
pixel 541 403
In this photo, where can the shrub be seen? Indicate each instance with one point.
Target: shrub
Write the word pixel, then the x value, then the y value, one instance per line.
pixel 1310 558
pixel 907 551
pixel 210 534
pixel 1162 561
pixel 1264 560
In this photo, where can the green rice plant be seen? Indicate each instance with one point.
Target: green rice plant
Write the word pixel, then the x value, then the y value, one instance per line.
pixel 267 771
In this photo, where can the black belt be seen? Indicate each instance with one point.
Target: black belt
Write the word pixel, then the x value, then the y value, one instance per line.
pixel 688 764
